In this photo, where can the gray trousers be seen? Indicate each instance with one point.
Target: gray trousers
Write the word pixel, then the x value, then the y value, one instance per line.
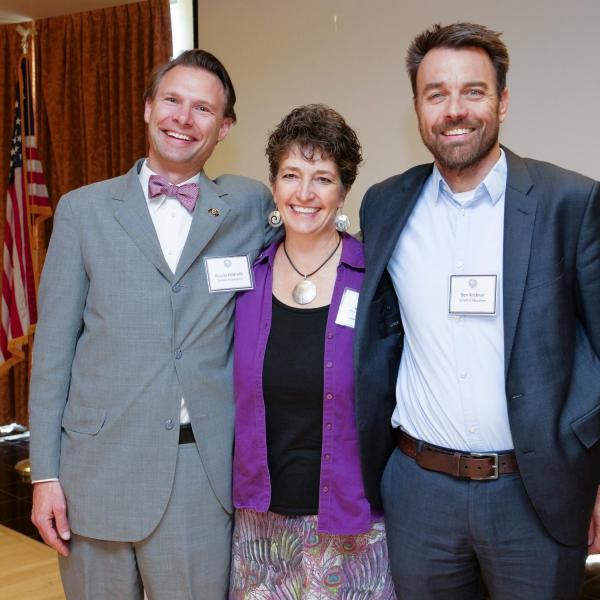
pixel 447 536
pixel 186 557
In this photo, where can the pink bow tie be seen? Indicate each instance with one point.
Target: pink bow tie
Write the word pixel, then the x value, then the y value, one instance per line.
pixel 187 193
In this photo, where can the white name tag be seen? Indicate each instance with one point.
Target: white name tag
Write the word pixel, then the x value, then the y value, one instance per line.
pixel 228 273
pixel 347 312
pixel 473 294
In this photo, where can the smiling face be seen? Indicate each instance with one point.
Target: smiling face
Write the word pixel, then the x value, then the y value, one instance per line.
pixel 459 110
pixel 185 122
pixel 308 193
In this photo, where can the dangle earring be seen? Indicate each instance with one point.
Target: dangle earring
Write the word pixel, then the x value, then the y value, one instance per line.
pixel 342 222
pixel 275 218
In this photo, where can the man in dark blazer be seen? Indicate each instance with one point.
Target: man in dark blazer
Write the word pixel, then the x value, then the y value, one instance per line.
pixel 131 401
pixel 478 346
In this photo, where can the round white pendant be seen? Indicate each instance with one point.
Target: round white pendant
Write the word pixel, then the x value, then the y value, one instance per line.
pixel 304 292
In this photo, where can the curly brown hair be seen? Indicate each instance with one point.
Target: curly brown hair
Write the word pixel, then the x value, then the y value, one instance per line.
pixel 459 35
pixel 316 129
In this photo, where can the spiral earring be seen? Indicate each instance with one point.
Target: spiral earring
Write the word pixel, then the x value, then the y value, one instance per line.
pixel 275 218
pixel 342 222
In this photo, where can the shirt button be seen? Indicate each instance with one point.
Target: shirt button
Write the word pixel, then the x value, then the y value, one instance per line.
pixel 329 364
pixel 328 426
pixel 330 336
pixel 176 288
pixel 329 396
pixel 328 457
pixel 472 429
pixel 178 354
pixel 172 215
pixel 463 375
pixel 169 424
pixel 463 212
pixel 459 264
pixel 325 489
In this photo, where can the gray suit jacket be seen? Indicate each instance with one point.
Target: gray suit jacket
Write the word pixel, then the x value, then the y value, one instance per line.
pixel 120 340
pixel 551 317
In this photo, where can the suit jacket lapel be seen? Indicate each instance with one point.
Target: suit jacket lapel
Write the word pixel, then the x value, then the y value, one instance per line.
pixel 210 212
pixel 131 211
pixel 387 229
pixel 393 219
pixel 519 217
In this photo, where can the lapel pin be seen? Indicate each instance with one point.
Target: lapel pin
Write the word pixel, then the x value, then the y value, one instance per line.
pixel 214 212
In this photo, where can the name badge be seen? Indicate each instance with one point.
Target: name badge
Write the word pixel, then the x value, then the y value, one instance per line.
pixel 473 295
pixel 228 273
pixel 347 312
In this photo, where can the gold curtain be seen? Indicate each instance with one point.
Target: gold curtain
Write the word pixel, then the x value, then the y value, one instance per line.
pixel 10 51
pixel 91 71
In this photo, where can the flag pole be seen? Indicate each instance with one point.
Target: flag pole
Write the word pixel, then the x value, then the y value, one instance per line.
pixel 37 214
pixel 25 116
pixel 27 112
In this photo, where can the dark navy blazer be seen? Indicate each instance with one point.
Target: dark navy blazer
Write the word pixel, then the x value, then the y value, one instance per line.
pixel 551 316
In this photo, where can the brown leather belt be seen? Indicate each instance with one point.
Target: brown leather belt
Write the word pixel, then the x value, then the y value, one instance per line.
pixel 480 466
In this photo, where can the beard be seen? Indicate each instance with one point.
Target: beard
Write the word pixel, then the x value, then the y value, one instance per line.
pixel 461 155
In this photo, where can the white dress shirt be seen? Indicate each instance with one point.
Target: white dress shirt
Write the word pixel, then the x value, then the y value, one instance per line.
pixel 172 222
pixel 450 386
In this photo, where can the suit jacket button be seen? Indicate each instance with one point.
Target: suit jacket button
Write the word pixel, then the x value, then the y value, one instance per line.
pixel 176 288
pixel 178 354
pixel 169 424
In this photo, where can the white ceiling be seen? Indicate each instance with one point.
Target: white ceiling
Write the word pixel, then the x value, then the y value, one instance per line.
pixel 14 11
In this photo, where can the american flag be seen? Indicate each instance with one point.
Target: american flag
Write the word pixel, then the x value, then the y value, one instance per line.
pixel 27 196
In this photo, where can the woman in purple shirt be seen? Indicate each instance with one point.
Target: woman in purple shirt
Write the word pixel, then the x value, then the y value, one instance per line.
pixel 304 528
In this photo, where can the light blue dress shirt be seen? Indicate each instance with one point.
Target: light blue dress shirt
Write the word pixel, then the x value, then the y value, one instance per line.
pixel 450 386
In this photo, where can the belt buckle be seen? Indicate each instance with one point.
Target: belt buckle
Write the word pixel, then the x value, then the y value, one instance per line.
pixel 493 455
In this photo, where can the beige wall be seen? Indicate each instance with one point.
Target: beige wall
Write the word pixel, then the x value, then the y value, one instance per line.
pixel 350 55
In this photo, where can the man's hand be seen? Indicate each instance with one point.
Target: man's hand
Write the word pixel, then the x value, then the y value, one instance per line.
pixel 594 531
pixel 49 515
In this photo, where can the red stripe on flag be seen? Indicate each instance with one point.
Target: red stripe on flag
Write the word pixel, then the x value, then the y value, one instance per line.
pixel 36 177
pixel 19 224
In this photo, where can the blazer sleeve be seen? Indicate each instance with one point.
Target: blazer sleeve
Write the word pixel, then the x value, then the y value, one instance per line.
pixel 588 269
pixel 62 296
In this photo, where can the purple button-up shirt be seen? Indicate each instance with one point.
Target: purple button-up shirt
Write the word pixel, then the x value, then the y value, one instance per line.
pixel 343 507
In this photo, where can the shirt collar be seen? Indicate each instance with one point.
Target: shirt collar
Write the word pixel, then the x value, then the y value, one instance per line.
pixel 492 187
pixel 155 203
pixel 352 254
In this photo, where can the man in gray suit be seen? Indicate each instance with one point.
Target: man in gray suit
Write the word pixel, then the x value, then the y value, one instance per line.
pixel 131 403
pixel 478 339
